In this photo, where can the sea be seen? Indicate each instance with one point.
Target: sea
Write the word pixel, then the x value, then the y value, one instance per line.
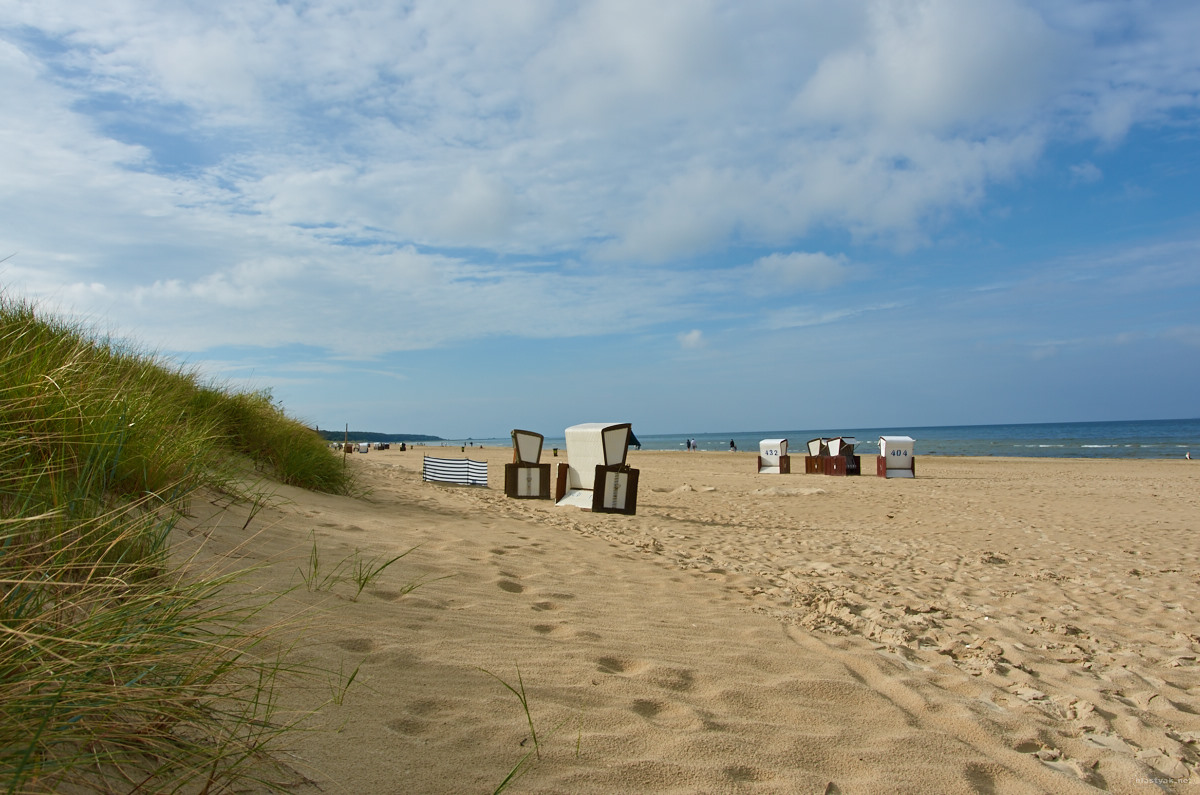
pixel 1114 439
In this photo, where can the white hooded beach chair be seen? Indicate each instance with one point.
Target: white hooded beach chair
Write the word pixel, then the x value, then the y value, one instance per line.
pixel 526 477
pixel 595 476
pixel 773 457
pixel 896 459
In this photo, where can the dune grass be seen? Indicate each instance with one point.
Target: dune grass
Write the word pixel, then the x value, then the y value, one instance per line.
pixel 118 673
pixel 355 569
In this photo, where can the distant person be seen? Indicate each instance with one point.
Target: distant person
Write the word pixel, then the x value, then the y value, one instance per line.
pixel 688 442
pixel 1188 455
pixel 732 446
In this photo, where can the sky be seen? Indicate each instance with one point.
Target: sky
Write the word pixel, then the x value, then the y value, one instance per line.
pixel 460 217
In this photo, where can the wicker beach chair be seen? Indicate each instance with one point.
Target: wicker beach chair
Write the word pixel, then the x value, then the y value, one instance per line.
pixel 526 477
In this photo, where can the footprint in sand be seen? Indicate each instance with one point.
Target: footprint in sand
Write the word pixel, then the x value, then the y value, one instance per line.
pixel 414 721
pixel 387 596
pixel 355 644
pixel 980 777
pixel 676 679
pixel 510 586
pixel 666 714
pixel 647 708
pixel 428 706
pixel 612 665
pixel 407 726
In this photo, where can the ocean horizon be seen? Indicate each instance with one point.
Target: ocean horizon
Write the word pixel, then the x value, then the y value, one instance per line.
pixel 1108 439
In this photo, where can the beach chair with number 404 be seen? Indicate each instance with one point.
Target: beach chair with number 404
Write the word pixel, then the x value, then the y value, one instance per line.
pixel 526 478
pixel 595 476
pixel 896 459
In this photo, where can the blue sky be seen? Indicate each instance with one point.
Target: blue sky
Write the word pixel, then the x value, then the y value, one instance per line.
pixel 460 217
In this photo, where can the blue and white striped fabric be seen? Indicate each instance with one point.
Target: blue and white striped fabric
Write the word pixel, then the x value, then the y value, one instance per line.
pixel 463 471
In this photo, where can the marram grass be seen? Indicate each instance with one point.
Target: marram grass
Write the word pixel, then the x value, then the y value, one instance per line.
pixel 119 672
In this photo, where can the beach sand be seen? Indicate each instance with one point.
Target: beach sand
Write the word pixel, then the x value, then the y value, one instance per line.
pixel 993 625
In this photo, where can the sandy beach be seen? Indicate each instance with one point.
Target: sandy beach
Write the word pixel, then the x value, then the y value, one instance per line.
pixel 994 625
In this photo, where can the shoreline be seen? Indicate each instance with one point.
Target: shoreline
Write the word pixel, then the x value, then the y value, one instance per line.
pixel 1116 439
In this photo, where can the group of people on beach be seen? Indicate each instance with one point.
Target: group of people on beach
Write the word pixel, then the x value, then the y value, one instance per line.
pixel 691 445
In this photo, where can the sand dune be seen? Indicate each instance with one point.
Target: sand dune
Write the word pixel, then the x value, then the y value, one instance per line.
pixel 994 625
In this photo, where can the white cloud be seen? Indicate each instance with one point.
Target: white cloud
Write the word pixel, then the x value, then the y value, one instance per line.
pixel 803 316
pixel 1085 173
pixel 622 64
pixel 480 209
pixel 693 212
pixel 1186 334
pixel 1145 69
pixel 691 340
pixel 892 188
pixel 798 270
pixel 1044 350
pixel 936 65
pixel 884 315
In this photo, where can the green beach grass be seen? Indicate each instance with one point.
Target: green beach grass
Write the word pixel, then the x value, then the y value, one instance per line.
pixel 119 671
